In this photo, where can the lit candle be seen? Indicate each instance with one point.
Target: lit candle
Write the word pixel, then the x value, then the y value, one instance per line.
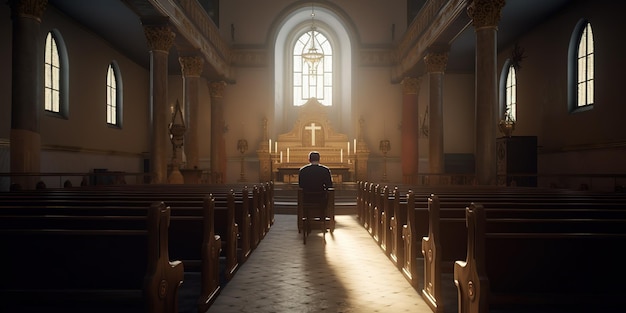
pixel 281 157
pixel 275 146
pixel 287 155
pixel 269 146
pixel 354 146
pixel 341 154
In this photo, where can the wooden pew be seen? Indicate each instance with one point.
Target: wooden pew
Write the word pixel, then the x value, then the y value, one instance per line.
pixel 434 255
pixel 186 218
pixel 195 242
pixel 71 265
pixel 559 265
pixel 413 259
pixel 385 241
pixel 502 202
pixel 397 222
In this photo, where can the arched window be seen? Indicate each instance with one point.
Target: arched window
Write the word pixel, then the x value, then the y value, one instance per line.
pixel 293 81
pixel 508 91
pixel 511 95
pixel 311 79
pixel 581 67
pixel 114 96
pixel 55 75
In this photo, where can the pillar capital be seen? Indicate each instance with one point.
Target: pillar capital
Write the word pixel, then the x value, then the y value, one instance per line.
pixel 160 37
pixel 436 62
pixel 410 85
pixel 29 8
pixel 216 88
pixel 485 13
pixel 191 66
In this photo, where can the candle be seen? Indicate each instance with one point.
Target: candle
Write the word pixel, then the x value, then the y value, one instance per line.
pixel 269 146
pixel 354 146
pixel 281 157
pixel 287 155
pixel 341 154
pixel 275 146
pixel 348 148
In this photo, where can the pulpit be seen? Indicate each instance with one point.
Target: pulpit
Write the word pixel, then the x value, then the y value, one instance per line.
pixel 312 131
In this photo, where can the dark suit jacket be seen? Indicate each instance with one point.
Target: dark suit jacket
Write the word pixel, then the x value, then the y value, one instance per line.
pixel 314 178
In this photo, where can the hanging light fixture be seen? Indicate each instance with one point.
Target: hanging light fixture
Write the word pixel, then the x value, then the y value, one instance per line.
pixel 312 56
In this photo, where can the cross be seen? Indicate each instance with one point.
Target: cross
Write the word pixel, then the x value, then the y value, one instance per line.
pixel 313 128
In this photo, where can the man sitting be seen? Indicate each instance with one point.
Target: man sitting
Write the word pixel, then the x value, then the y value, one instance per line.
pixel 314 178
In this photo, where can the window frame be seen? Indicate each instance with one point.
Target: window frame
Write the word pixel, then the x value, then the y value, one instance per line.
pixel 114 67
pixel 63 75
pixel 504 90
pixel 573 70
pixel 298 68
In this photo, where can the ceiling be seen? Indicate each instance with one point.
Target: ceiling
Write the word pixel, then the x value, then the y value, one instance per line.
pixel 118 24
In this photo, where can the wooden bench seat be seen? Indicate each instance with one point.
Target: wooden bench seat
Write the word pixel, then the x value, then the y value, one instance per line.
pixel 69 264
pixel 516 210
pixel 576 271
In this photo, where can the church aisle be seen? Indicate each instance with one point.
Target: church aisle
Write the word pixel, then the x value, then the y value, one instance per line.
pixel 349 273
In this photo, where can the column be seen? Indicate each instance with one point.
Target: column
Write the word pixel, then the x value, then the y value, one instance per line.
pixel 27 90
pixel 160 40
pixel 435 66
pixel 192 68
pixel 486 15
pixel 410 130
pixel 218 145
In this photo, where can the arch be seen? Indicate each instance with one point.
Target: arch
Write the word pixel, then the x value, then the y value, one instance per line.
pixel 508 90
pixel 331 21
pixel 56 75
pixel 114 95
pixel 576 76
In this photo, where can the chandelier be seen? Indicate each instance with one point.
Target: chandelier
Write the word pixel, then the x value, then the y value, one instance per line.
pixel 312 56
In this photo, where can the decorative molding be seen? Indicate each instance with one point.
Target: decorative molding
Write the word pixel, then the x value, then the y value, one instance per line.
pixel 160 37
pixel 73 149
pixel 592 146
pixel 216 89
pixel 377 57
pixel 191 66
pixel 485 13
pixel 411 85
pixel 247 57
pixel 430 27
pixel 29 8
pixel 436 62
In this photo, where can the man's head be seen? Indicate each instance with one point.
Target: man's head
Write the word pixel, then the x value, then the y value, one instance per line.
pixel 314 157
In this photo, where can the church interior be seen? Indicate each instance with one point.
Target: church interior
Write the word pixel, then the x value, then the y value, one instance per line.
pixel 404 99
pixel 409 88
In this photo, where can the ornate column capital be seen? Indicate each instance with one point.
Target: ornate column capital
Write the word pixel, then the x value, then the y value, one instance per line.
pixel 191 66
pixel 29 8
pixel 436 62
pixel 159 37
pixel 410 85
pixel 485 13
pixel 216 88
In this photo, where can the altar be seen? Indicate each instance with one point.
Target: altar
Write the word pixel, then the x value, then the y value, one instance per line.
pixel 290 175
pixel 312 131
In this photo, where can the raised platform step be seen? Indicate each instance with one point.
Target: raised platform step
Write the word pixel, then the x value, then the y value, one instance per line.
pixel 286 198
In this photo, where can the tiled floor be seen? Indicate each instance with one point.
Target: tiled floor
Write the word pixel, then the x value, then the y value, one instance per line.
pixel 347 273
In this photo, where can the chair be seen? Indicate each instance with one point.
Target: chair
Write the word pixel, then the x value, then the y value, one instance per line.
pixel 316 208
